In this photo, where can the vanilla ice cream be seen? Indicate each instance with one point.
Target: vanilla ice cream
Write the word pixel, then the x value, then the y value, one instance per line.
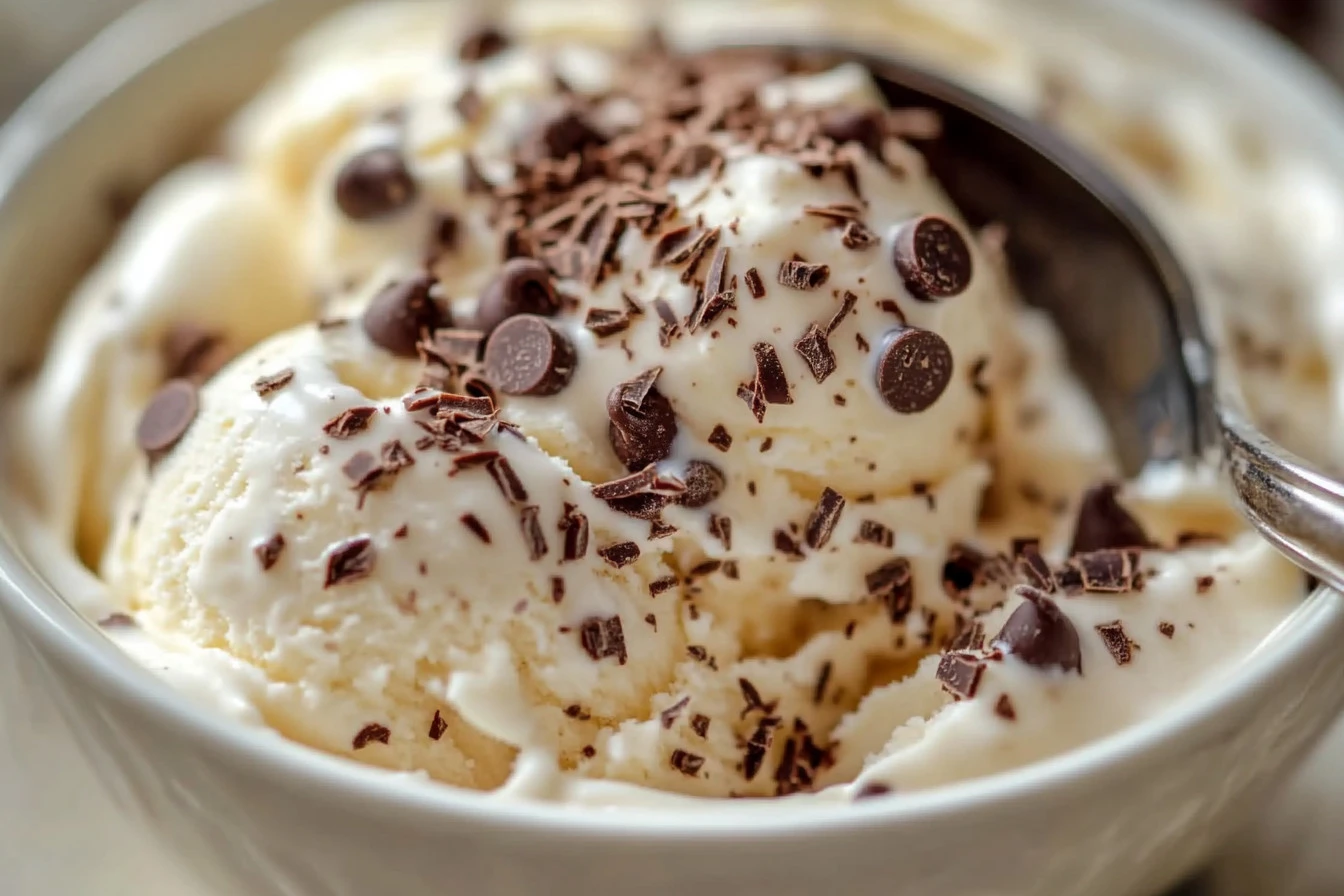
pixel 574 417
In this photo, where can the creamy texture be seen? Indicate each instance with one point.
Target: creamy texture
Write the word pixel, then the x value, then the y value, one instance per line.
pixel 474 636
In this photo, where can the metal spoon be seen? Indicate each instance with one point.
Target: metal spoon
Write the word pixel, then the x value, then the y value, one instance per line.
pixel 1080 247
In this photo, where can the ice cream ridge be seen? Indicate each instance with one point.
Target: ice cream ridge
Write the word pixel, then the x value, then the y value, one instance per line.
pixel 633 417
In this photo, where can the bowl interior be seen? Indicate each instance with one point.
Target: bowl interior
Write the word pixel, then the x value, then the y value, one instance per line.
pixel 114 119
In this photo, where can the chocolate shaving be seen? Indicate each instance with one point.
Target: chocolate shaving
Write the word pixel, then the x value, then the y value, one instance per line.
pixel 847 303
pixel 607 321
pixel 510 486
pixel 755 285
pixel 349 423
pixel 816 351
pixel 266 386
pixel 700 724
pixel 473 523
pixel 721 527
pixel 350 560
pixel 773 383
pixel 669 716
pixel 873 532
pixel 803 275
pixel 659 586
pixel 369 734
pixel 894 585
pixel 858 238
pixel 824 518
pixel 1004 708
pixel 620 554
pixel 530 523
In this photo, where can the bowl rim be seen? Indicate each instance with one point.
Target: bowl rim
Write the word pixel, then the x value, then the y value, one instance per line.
pixel 1304 638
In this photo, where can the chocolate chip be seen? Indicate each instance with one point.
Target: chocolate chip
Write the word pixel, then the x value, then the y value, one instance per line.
pixel 403 313
pixel 803 275
pixel 1103 523
pixel 481 43
pixel 704 483
pixel 167 417
pixel 913 369
pixel 350 561
pixel 268 551
pixel 854 125
pixel 370 733
pixel 603 637
pixel 1039 634
pixel 825 516
pixel 522 286
pixel 643 424
pixel 527 356
pixel 959 674
pixel 265 386
pixel 932 258
pixel 893 583
pixel 375 183
pixel 621 554
pixel 349 422
pixel 816 351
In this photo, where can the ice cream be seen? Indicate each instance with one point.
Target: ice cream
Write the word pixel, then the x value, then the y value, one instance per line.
pixel 611 416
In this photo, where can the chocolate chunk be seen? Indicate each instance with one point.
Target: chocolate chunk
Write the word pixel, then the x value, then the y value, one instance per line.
pixel 620 554
pixel 350 560
pixel 770 374
pixel 522 286
pixel 575 527
pixel 481 43
pixel 643 424
pixel 821 524
pixel 1166 628
pixel 700 724
pixel 438 727
pixel 1103 523
pixel 857 237
pixel 1204 584
pixel 816 351
pixel 370 733
pixel 1039 634
pixel 959 674
pixel 350 422
pixel 755 285
pixel 402 314
pixel 265 386
pixel 1004 708
pixel 913 369
pixel 873 532
pixel 268 551
pixel 932 258
pixel 1117 642
pixel 854 125
pixel 527 356
pixel 1032 567
pixel 688 764
pixel 894 584
pixel 167 417
pixel 753 394
pixel 603 637
pixel 375 183
pixel 704 483
pixel 607 321
pixel 720 438
pixel 1110 571
pixel 803 275
pixel 530 523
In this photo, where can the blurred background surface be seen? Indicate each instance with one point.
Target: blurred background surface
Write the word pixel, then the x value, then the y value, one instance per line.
pixel 1291 848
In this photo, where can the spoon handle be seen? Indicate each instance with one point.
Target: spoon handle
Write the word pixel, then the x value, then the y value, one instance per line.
pixel 1296 507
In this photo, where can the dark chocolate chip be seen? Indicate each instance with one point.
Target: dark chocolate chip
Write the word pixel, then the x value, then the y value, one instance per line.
pixel 375 183
pixel 527 356
pixel 643 424
pixel 932 258
pixel 913 369
pixel 1103 523
pixel 704 483
pixel 167 417
pixel 402 314
pixel 1039 634
pixel 803 275
pixel 522 286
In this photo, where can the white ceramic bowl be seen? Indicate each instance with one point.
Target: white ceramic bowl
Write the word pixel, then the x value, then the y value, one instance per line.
pixel 252 814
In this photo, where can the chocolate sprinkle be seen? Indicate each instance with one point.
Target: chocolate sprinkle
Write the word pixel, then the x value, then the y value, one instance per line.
pixel 402 314
pixel 816 351
pixel 1039 634
pixel 374 184
pixel 959 674
pixel 472 522
pixel 913 369
pixel 167 417
pixel 824 518
pixel 266 386
pixel 932 258
pixel 620 554
pixel 802 275
pixel 369 734
pixel 529 522
pixel 1103 523
pixel 268 551
pixel 1117 642
pixel 603 638
pixel 847 302
pixel 350 560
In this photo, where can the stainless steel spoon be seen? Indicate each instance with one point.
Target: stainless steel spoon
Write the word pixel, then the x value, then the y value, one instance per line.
pixel 1080 247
